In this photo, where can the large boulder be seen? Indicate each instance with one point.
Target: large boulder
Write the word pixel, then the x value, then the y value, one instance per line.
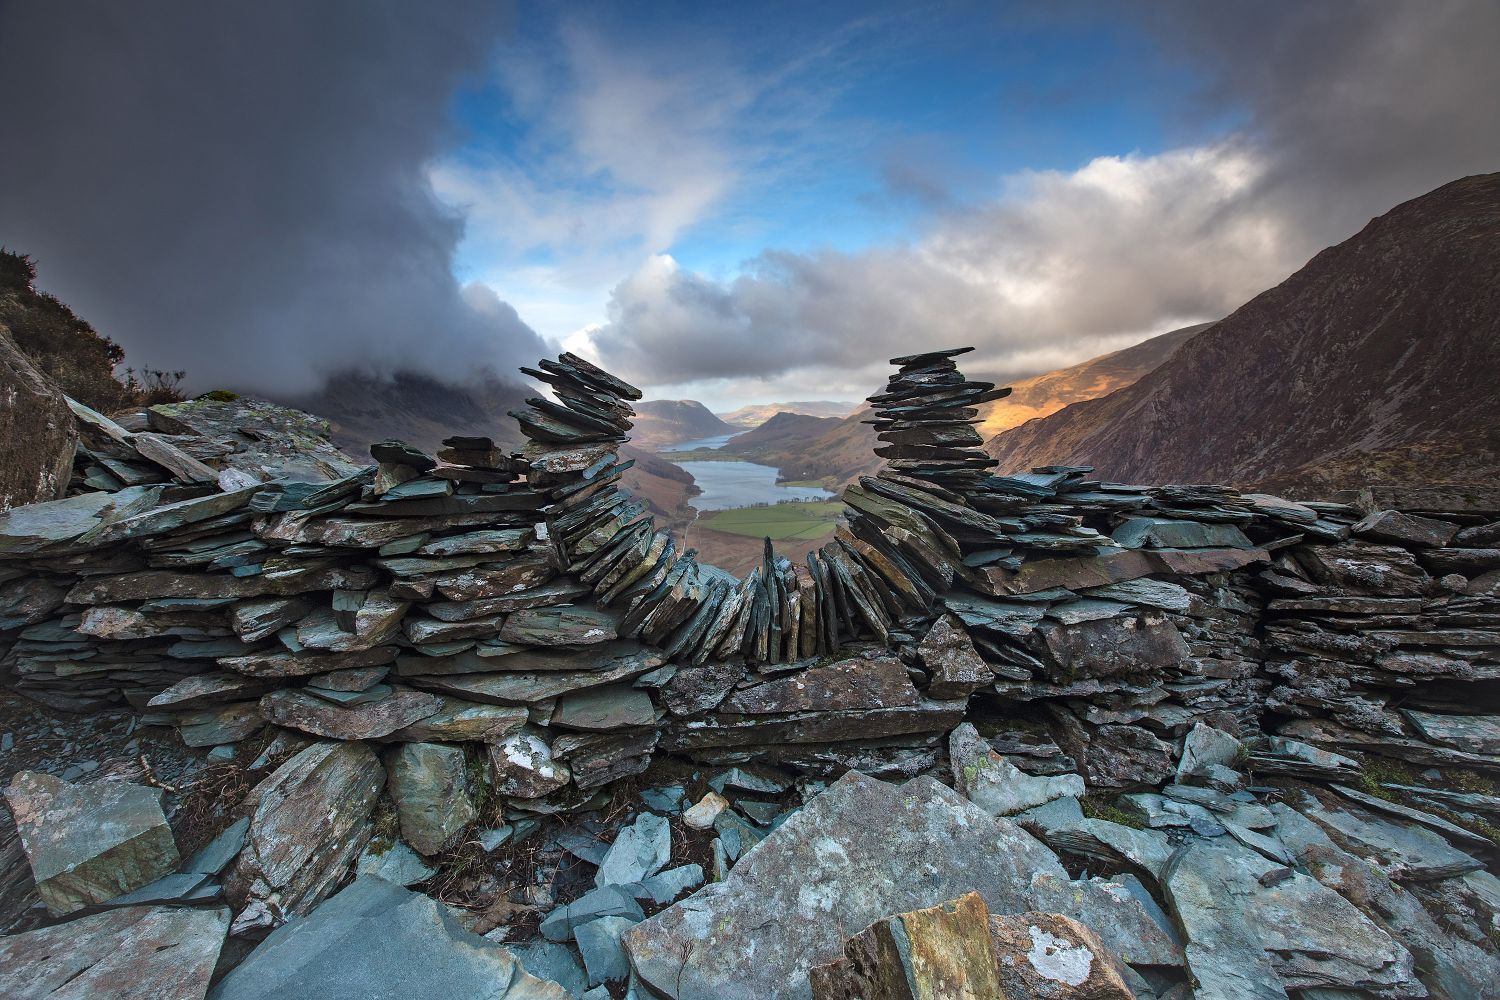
pixel 90 843
pixel 37 428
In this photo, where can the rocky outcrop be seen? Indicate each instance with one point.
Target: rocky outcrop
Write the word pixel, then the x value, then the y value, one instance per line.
pixel 36 425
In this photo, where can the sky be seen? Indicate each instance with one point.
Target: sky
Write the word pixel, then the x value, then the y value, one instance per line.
pixel 730 202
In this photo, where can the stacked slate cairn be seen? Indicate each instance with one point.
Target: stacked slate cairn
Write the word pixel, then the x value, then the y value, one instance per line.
pixel 1291 703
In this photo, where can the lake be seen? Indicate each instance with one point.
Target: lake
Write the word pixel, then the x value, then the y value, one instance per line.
pixel 743 484
pixel 727 485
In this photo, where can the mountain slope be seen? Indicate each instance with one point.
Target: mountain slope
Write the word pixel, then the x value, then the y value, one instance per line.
pixel 845 451
pixel 418 409
pixel 1378 358
pixel 756 414
pixel 783 433
pixel 662 422
pixel 1046 394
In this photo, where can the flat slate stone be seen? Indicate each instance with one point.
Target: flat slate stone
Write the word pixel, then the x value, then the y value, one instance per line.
pixel 1405 851
pixel 1287 930
pixel 215 856
pixel 561 626
pixel 861 851
pixel 851 684
pixel 614 707
pixel 90 843
pixel 309 714
pixel 396 863
pixel 605 901
pixel 1470 733
pixel 375 939
pixel 459 721
pixel 125 954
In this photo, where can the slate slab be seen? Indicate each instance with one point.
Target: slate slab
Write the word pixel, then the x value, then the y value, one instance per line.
pixel 90 843
pixel 861 851
pixel 132 953
pixel 640 850
pixel 375 939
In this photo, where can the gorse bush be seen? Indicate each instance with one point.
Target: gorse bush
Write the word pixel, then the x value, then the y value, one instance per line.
pixel 69 351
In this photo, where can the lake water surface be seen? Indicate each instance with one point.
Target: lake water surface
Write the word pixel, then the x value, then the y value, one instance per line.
pixel 739 484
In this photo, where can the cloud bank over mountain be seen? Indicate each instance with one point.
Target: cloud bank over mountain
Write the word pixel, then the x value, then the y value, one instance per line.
pixel 240 190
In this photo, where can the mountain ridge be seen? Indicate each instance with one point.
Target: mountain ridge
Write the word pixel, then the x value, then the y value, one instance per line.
pixel 1393 336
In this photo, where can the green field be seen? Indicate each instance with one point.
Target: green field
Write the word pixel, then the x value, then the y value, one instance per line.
pixel 779 521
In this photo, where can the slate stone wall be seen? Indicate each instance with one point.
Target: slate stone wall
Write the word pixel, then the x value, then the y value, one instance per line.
pixel 525 607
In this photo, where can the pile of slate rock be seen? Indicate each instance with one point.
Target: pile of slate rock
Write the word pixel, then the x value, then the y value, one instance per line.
pixel 482 642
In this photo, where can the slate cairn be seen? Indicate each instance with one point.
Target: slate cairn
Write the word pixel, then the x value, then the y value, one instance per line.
pixel 434 630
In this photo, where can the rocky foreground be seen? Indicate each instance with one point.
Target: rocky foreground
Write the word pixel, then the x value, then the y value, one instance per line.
pixel 1024 736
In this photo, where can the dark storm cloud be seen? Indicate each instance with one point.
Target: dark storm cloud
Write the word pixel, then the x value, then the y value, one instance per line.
pixel 1338 111
pixel 239 189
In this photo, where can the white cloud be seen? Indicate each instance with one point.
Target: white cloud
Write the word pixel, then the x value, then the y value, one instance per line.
pixel 1058 267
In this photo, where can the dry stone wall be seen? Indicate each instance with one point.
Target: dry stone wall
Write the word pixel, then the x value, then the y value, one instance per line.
pixel 525 608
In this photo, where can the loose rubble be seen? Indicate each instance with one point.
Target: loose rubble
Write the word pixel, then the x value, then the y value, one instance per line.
pixel 1150 701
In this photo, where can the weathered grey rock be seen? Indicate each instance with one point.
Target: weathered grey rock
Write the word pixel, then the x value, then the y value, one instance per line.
pixel 1161 594
pixel 603 952
pixel 354 679
pixel 955 667
pixel 1125 644
pixel 1047 956
pixel 311 820
pixel 459 721
pixel 39 429
pixel 190 888
pixel 38 526
pixel 1204 747
pixel 861 850
pixel 429 783
pixel 522 766
pixel 377 939
pixel 1405 529
pixel 211 727
pixel 851 684
pixel 1288 931
pixel 132 953
pixel 563 626
pixel 933 953
pixel 203 690
pixel 215 856
pixel 89 843
pixel 995 784
pixel 605 901
pixel 640 850
pixel 1403 850
pixel 372 720
pixel 1470 733
pixel 616 706
pixel 394 862
pixel 666 886
pixel 1449 966
pixel 552 963
pixel 1120 910
pixel 1121 756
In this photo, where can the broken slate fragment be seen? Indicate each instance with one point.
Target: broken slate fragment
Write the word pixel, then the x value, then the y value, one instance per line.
pixel 429 783
pixel 995 784
pixel 213 857
pixel 90 843
pixel 375 939
pixel 933 953
pixel 1047 956
pixel 640 850
pixel 125 954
